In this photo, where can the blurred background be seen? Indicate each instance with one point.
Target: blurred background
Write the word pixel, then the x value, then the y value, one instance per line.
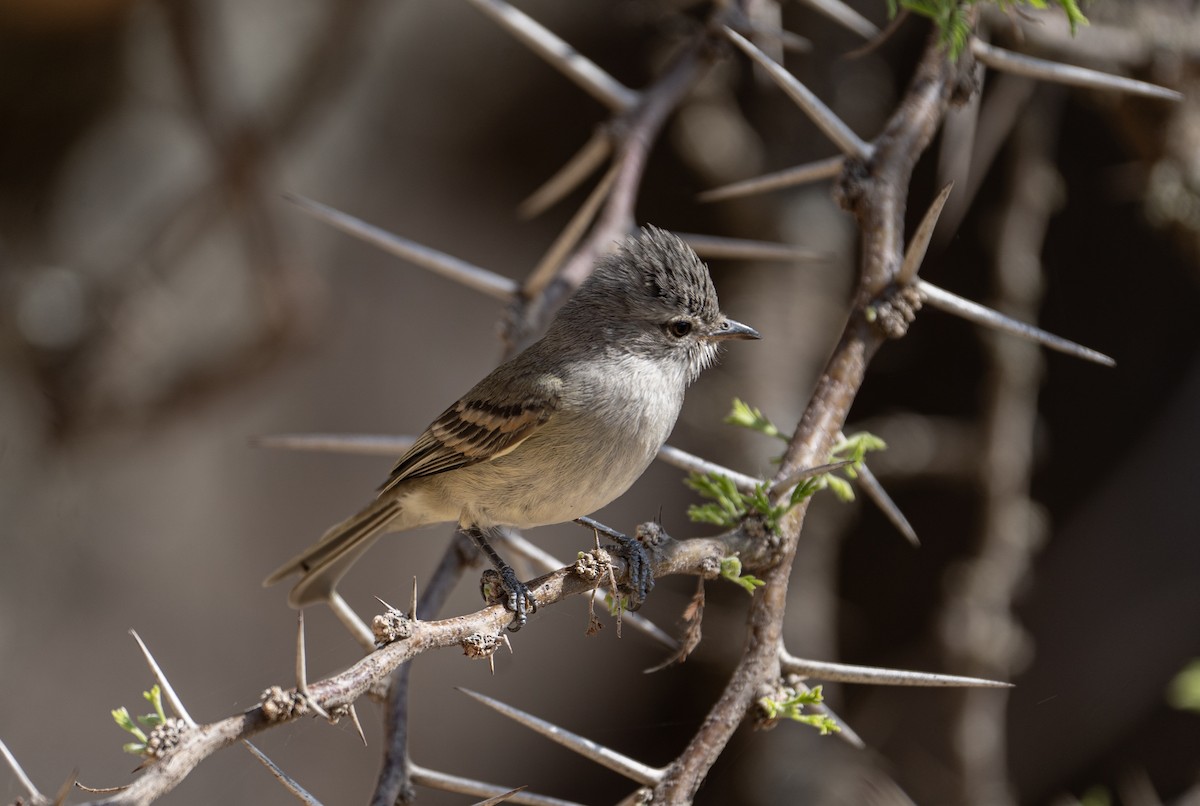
pixel 162 305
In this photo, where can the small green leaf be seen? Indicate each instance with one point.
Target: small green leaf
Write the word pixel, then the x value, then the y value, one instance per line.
pixel 154 697
pixel 616 606
pixel 840 487
pixel 792 707
pixel 731 569
pixel 1074 15
pixel 806 489
pixel 727 507
pixel 1184 691
pixel 953 21
pixel 825 724
pixel 150 721
pixel 125 722
pixel 1096 796
pixel 749 417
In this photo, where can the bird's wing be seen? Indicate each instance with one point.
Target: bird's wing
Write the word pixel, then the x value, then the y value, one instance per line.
pixel 478 428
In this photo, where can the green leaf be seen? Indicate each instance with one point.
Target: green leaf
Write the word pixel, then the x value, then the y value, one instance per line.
pixel 616 606
pixel 154 697
pixel 952 17
pixel 149 721
pixel 1074 16
pixel 748 417
pixel 1096 796
pixel 1184 690
pixel 806 489
pixel 727 507
pixel 125 722
pixel 731 569
pixel 840 487
pixel 792 707
pixel 825 724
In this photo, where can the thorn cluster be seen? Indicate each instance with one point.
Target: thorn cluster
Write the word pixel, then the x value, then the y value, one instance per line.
pixel 390 627
pixel 895 311
pixel 593 565
pixel 478 646
pixel 279 705
pixel 163 738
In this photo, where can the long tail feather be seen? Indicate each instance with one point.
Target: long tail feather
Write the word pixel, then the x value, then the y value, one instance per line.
pixel 324 563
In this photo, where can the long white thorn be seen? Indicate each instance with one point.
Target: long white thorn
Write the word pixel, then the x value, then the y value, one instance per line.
pixel 634 770
pixel 289 783
pixel 570 62
pixel 807 473
pixel 548 266
pixel 302 667
pixel 982 315
pixel 384 445
pixel 165 684
pixel 423 776
pixel 594 152
pixel 713 246
pixel 918 245
pixel 829 123
pixel 879 496
pixel 365 444
pixel 350 620
pixel 683 460
pixel 1046 70
pixel 874 675
pixel 19 771
pixel 790 177
pixel 452 268
pixel 504 797
pixel 844 15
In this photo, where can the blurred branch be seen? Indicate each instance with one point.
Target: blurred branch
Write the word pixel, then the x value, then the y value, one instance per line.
pixel 635 134
pixel 978 628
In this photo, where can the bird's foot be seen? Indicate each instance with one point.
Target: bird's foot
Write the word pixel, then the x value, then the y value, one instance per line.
pixel 502 586
pixel 641 578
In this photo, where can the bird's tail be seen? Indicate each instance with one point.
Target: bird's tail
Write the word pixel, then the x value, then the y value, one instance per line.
pixel 324 563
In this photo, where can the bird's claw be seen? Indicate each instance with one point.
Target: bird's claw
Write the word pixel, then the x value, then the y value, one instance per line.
pixel 641 579
pixel 502 586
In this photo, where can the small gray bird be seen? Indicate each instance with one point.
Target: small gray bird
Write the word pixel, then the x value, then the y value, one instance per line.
pixel 560 430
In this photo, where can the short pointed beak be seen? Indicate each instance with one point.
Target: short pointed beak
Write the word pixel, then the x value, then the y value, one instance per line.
pixel 730 329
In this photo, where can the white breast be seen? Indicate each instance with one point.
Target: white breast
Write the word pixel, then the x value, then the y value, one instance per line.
pixel 607 431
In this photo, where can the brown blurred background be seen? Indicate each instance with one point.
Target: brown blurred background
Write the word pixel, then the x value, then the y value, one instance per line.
pixel 161 305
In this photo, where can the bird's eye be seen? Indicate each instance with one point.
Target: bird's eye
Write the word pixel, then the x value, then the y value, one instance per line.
pixel 679 328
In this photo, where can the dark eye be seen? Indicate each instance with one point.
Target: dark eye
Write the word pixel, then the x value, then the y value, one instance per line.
pixel 679 328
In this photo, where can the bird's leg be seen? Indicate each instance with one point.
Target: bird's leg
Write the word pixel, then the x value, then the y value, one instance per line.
pixel 641 580
pixel 519 598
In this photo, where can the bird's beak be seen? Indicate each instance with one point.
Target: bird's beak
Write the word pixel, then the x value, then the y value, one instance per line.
pixel 734 330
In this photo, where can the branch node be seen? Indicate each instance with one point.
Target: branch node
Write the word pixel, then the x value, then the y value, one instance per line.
pixel 895 310
pixel 478 646
pixel 165 737
pixel 279 705
pixel 593 565
pixel 853 185
pixel 390 627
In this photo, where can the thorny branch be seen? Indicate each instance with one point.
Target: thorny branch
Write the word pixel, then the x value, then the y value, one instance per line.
pixel 873 186
pixel 875 191
pixel 698 556
pixel 636 132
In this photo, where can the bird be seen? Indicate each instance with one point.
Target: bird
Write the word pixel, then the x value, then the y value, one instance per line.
pixel 558 431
